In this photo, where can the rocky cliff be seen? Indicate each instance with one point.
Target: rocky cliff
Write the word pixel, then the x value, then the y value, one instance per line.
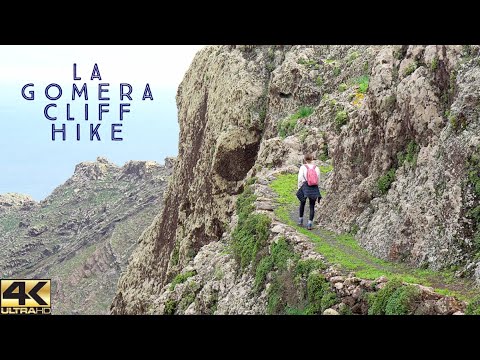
pixel 396 131
pixel 81 235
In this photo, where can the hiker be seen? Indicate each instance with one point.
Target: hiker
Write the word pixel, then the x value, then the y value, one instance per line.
pixel 308 177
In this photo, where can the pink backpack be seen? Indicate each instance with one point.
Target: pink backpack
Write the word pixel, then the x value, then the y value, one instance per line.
pixel 312 177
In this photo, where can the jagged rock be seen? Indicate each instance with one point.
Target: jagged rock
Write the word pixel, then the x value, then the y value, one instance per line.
pixel 330 312
pixel 35 231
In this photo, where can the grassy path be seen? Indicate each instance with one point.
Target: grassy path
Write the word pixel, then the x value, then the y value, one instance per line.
pixel 344 250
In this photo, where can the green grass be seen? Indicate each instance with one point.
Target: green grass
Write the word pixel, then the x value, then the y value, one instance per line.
pixel 170 307
pixel 362 83
pixel 319 81
pixel 252 231
pixel 326 169
pixel 356 259
pixel 410 68
pixel 473 307
pixel 277 259
pixel 394 299
pixel 434 64
pixel 308 63
pixel 385 181
pixel 341 118
pixel 181 278
pixel 287 126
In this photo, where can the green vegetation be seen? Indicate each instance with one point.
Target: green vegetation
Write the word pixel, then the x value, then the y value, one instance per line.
pixel 170 307
pixel 252 231
pixel 181 278
pixel 410 68
pixel 409 156
pixel 336 71
pixel 277 259
pixel 300 291
pixel 362 83
pixel 434 64
pixel 473 308
pixel 319 81
pixel 352 56
pixel 467 50
pixel 176 253
pixel 354 229
pixel 287 126
pixel 385 181
pixel 457 122
pixel 310 63
pixel 342 87
pixel 320 296
pixel 326 169
pixel 341 118
pixel 302 134
pixel 365 66
pixel 186 300
pixel 394 299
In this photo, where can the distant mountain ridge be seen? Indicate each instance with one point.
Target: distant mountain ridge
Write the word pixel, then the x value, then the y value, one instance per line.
pixel 82 234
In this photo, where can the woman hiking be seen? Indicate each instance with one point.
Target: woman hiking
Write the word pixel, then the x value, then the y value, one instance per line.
pixel 308 176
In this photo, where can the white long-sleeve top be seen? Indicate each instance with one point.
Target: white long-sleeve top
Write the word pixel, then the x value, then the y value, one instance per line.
pixel 302 174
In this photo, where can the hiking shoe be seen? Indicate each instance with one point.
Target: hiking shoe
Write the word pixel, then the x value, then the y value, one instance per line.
pixel 300 222
pixel 309 226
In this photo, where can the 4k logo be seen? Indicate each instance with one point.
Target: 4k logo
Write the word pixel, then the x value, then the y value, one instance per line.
pixel 25 296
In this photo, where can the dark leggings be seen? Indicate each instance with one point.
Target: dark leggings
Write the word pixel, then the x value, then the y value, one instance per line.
pixel 312 207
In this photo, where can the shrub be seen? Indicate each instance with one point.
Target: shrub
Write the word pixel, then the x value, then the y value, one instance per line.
pixel 181 278
pixel 305 267
pixel 385 181
pixel 170 307
pixel 319 294
pixel 410 68
pixel 336 71
pixel 362 83
pixel 249 237
pixel 342 87
pixel 287 126
pixel 252 231
pixel 434 64
pixel 341 118
pixel 410 155
pixel 473 308
pixel 403 301
pixel 394 299
pixel 319 81
pixel 377 302
pixel 280 253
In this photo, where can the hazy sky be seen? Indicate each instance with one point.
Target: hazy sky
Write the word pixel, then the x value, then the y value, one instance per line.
pixel 31 163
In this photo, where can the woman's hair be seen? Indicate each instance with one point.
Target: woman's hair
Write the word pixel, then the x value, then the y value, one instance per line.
pixel 308 157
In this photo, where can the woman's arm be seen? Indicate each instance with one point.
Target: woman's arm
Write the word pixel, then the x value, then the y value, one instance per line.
pixel 301 177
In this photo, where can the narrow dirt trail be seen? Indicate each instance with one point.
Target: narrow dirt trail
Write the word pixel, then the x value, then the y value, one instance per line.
pixel 362 260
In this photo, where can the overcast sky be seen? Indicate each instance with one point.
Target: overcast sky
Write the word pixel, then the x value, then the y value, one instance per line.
pixel 31 163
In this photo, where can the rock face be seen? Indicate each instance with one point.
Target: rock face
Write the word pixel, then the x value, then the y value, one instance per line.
pixel 82 235
pixel 399 124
